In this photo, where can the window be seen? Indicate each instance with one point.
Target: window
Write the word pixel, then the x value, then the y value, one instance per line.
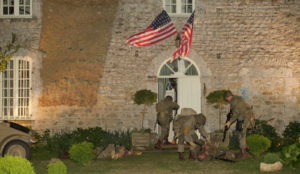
pixel 15 90
pixel 179 6
pixel 179 66
pixel 16 8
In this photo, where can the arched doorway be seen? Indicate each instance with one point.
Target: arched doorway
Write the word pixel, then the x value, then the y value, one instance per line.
pixel 181 80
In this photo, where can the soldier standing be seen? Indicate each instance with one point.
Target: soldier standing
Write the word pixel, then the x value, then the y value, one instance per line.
pixel 243 115
pixel 164 111
pixel 184 129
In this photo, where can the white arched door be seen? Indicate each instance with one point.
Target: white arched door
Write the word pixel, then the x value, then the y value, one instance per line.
pixel 181 80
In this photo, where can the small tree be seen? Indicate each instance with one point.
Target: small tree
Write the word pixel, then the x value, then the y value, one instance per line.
pixel 145 97
pixel 7 51
pixel 216 98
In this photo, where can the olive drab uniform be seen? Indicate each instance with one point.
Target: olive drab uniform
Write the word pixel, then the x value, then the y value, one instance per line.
pixel 241 113
pixel 164 111
pixel 184 129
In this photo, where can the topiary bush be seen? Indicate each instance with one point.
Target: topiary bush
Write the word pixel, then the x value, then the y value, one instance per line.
pixel 57 167
pixel 271 158
pixel 82 153
pixel 216 98
pixel 263 128
pixel 291 133
pixel 144 97
pixel 15 165
pixel 258 144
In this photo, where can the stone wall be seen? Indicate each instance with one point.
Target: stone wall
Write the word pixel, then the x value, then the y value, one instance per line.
pixel 28 33
pixel 237 44
pixel 252 45
pixel 75 37
pixel 258 47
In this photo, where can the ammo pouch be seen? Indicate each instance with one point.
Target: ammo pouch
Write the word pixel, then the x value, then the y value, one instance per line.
pixel 239 125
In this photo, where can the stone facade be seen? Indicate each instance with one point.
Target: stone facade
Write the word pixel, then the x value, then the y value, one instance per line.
pixel 237 44
pixel 252 45
pixel 28 33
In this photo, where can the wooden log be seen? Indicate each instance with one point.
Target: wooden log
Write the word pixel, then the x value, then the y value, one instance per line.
pixel 264 167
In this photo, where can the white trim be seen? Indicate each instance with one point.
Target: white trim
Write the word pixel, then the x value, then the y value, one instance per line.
pixel 16 86
pixel 176 75
pixel 16 10
pixel 23 72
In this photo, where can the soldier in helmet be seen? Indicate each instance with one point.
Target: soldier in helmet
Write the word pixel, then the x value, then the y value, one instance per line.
pixel 184 128
pixel 243 115
pixel 164 111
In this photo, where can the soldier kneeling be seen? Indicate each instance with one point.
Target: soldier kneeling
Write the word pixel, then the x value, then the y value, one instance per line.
pixel 184 128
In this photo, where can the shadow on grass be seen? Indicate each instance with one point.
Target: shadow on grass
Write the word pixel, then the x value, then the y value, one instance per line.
pixel 155 162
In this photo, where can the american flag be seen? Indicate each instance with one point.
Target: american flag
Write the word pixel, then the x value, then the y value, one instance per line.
pixel 160 29
pixel 186 39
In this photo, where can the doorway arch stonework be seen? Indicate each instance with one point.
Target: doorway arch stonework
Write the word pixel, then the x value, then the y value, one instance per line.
pixel 205 73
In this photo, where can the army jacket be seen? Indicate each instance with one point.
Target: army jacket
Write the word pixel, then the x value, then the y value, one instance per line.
pixel 166 106
pixel 188 124
pixel 240 110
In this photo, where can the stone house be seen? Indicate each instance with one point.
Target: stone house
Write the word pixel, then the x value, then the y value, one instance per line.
pixel 75 70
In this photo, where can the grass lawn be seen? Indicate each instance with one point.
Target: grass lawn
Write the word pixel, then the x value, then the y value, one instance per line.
pixel 163 162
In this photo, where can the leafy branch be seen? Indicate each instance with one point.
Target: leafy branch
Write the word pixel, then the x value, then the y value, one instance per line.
pixel 7 51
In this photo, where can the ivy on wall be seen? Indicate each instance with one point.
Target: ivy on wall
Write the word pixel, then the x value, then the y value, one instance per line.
pixel 7 51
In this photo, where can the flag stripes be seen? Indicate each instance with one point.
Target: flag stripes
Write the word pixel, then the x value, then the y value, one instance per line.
pixel 186 39
pixel 160 29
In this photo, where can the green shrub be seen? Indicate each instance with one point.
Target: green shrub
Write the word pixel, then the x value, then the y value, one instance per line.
pixel 263 128
pixel 271 158
pixel 57 167
pixel 82 153
pixel 291 133
pixel 61 142
pixel 291 154
pixel 15 165
pixel 258 144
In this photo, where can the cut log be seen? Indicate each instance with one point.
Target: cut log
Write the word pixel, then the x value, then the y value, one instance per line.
pixel 264 167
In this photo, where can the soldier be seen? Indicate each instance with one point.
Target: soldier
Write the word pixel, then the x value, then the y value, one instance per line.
pixel 241 113
pixel 164 116
pixel 184 128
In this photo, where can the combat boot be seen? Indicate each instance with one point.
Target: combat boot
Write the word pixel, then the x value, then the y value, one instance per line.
pixel 166 141
pixel 181 156
pixel 243 153
pixel 192 155
pixel 158 145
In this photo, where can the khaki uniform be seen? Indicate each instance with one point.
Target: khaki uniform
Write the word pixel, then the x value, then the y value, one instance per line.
pixel 164 111
pixel 243 114
pixel 184 129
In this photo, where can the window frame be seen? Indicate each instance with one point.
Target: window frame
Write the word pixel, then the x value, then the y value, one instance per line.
pixel 16 10
pixel 16 88
pixel 174 73
pixel 178 8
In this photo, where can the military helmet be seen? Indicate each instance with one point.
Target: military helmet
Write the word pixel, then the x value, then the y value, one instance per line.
pixel 227 94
